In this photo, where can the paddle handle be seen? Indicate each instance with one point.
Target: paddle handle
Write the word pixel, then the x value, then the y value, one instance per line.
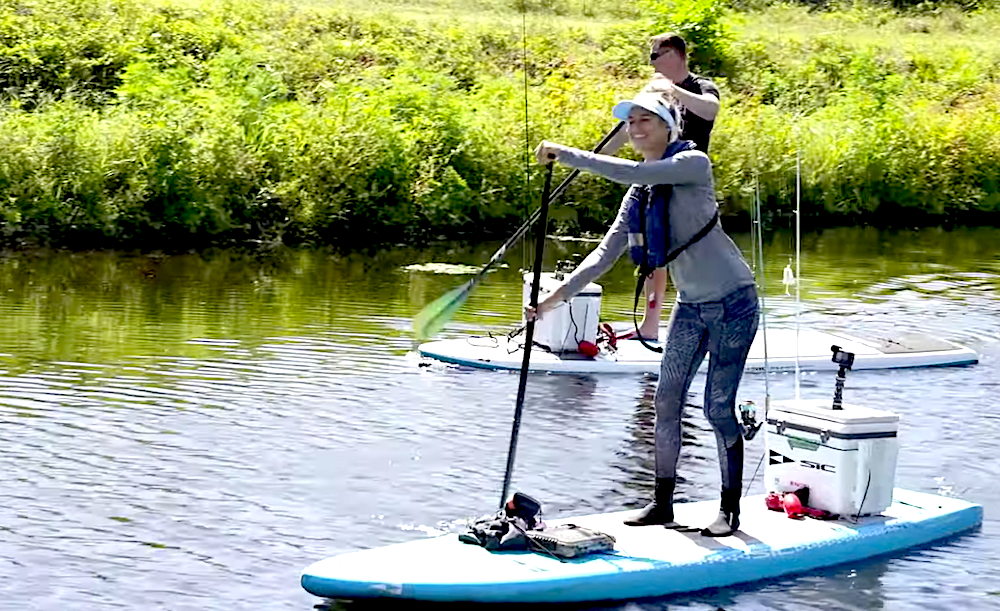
pixel 529 333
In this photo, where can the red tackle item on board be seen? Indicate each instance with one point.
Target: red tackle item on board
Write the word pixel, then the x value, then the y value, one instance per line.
pixel 589 349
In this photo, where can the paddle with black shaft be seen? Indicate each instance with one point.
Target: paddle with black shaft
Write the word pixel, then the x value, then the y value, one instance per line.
pixel 437 313
pixel 529 331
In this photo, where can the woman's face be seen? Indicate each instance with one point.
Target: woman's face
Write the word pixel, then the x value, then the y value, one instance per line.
pixel 648 132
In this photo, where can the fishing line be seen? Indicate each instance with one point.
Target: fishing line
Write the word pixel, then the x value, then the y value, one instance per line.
pixel 527 134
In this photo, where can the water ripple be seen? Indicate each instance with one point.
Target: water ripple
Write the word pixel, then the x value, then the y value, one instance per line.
pixel 223 424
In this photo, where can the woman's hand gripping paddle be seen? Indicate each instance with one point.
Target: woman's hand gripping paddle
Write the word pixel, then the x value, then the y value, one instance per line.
pixel 435 315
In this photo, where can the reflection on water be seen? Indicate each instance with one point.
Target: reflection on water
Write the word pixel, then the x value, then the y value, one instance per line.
pixel 189 431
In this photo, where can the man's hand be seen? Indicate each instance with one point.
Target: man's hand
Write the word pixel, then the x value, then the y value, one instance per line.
pixel 661 85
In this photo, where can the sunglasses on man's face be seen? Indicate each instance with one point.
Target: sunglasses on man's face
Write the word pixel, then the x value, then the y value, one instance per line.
pixel 657 54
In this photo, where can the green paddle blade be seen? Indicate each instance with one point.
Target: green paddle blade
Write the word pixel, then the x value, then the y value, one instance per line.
pixel 437 313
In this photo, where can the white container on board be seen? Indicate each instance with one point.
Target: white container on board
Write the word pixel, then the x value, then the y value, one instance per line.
pixel 846 457
pixel 563 328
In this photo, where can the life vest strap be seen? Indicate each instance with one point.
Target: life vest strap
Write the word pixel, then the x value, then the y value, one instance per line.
pixel 644 271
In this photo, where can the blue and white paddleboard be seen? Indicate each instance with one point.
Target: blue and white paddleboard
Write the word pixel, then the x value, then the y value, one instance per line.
pixel 630 356
pixel 647 561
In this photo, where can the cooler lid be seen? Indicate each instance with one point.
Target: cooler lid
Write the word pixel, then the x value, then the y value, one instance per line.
pixel 823 410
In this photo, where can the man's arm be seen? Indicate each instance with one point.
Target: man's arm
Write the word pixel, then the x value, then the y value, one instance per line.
pixel 617 141
pixel 705 105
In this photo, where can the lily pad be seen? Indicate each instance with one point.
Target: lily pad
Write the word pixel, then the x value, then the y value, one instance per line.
pixel 453 269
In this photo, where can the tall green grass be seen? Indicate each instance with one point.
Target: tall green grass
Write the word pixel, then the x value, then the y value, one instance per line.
pixel 179 123
pixel 893 114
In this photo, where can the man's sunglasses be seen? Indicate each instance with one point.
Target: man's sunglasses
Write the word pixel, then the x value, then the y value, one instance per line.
pixel 656 54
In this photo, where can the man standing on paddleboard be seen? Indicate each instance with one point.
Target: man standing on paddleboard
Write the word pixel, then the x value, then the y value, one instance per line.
pixel 716 309
pixel 698 98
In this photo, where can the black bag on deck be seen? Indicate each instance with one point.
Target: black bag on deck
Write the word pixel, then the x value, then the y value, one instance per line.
pixel 516 528
pixel 506 530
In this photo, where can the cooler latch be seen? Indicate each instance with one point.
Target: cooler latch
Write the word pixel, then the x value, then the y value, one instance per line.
pixel 824 436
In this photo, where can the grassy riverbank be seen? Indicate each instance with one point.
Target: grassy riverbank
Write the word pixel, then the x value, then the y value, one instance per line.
pixel 168 123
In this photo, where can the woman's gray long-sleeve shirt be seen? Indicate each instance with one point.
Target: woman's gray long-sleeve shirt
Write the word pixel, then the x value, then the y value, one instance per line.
pixel 709 269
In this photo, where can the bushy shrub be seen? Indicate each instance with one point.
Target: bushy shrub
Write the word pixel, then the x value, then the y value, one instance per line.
pixel 700 23
pixel 180 123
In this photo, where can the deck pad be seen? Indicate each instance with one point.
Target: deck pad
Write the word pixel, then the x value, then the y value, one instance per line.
pixel 813 353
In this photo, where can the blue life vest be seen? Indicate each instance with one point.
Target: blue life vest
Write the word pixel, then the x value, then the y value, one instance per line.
pixel 648 219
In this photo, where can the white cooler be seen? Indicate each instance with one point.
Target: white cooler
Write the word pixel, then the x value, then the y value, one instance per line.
pixel 562 329
pixel 847 457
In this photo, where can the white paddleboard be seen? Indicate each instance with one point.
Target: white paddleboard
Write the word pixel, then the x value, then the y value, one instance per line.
pixel 647 561
pixel 630 356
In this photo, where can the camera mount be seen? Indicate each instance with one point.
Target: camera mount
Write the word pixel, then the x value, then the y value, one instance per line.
pixel 845 360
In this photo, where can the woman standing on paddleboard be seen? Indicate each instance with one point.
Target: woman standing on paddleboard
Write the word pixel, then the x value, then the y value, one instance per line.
pixel 716 309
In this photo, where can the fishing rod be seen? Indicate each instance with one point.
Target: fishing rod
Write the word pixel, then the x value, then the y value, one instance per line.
pixel 798 258
pixel 436 314
pixel 543 211
pixel 763 293
pixel 750 423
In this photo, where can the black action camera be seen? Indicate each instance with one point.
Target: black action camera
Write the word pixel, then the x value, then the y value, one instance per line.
pixel 841 357
pixel 520 505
